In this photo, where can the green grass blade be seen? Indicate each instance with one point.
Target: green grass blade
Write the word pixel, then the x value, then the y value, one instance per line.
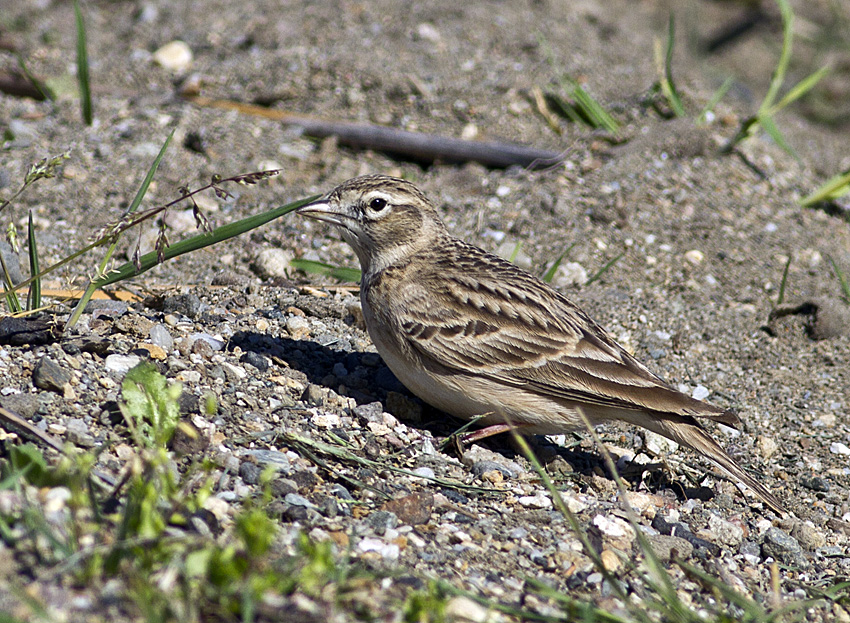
pixel 34 301
pixel 784 57
pixel 837 186
pixel 327 270
pixel 13 303
pixel 602 270
pixel 592 109
pixel 549 275
pixel 220 234
pixel 718 95
pixel 137 200
pixel 515 252
pixel 769 126
pixel 845 286
pixel 800 89
pixel 667 84
pixel 83 65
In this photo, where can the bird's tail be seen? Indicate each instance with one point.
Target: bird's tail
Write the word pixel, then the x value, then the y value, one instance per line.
pixel 686 431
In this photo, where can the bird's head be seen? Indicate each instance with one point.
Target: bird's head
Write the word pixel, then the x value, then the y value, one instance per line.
pixel 384 219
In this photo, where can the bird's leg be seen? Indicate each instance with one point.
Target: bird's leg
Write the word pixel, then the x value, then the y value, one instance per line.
pixel 489 431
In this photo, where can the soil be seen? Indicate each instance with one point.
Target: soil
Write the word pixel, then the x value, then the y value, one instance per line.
pixel 702 240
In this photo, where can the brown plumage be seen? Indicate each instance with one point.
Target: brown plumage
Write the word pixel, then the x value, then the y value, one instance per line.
pixel 472 334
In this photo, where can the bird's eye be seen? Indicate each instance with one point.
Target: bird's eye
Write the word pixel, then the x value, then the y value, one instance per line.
pixel 377 204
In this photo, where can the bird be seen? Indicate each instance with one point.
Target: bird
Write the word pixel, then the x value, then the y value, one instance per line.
pixel 476 336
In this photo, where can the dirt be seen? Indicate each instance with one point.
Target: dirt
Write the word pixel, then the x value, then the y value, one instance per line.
pixel 703 237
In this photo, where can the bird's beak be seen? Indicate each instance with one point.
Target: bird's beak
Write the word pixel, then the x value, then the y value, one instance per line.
pixel 323 210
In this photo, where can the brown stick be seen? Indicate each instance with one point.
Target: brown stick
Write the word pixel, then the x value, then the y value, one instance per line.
pixel 413 145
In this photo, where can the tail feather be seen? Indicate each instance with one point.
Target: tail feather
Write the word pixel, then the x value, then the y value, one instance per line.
pixel 686 431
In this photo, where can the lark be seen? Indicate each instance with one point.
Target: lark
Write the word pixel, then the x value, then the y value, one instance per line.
pixel 474 335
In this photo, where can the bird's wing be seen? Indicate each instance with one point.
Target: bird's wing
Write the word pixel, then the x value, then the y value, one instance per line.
pixel 518 331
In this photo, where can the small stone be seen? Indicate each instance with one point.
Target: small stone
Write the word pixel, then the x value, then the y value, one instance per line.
pixel 659 445
pixel 766 446
pixel 694 257
pixel 250 472
pixel 725 531
pixel 412 510
pixel 255 359
pixel 187 304
pixel 610 560
pixel 154 351
pixel 295 499
pixel 381 521
pixel 783 547
pixel 160 336
pixel 816 483
pixel 427 32
pixel 809 537
pixel 666 547
pixel 50 376
pixel 273 262
pixel 298 326
pixel 265 458
pixel 425 472
pixel 315 395
pixel 121 364
pixel 214 343
pixel 569 275
pixel 387 551
pixel 614 527
pixel 479 468
pixel 538 500
pixel 371 412
pixel 78 433
pixel 836 447
pixel 463 610
pixel 175 56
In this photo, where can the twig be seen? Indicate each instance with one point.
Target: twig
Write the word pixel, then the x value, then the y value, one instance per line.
pixel 413 145
pixel 19 425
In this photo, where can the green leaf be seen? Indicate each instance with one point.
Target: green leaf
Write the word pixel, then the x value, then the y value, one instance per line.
pixel 667 84
pixel 550 274
pixel 320 268
pixel 35 287
pixel 151 404
pixel 773 130
pixel 83 65
pixel 834 188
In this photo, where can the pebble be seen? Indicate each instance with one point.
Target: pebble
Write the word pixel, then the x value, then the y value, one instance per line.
pixel 161 337
pixel 725 531
pixel 175 56
pixel 387 551
pixel 121 364
pixel 613 527
pixel 298 326
pixel 610 560
pixel 413 509
pixel 836 447
pixel 274 458
pixel 767 446
pixel 700 392
pixel 816 483
pixel 273 262
pixel 538 500
pixel 295 499
pixel 658 444
pixel 381 521
pixel 424 472
pixel 463 610
pixel 781 546
pixel 215 343
pixel 809 537
pixel 50 376
pixel 256 360
pixel 569 275
pixel 479 468
pixel 666 546
pixel 250 472
pixel 694 257
pixel 186 304
pixel 78 433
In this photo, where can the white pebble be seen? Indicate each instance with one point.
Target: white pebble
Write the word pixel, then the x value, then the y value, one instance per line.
pixel 121 363
pixel 387 551
pixel 538 500
pixel 839 448
pixel 700 392
pixel 694 257
pixel 174 56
